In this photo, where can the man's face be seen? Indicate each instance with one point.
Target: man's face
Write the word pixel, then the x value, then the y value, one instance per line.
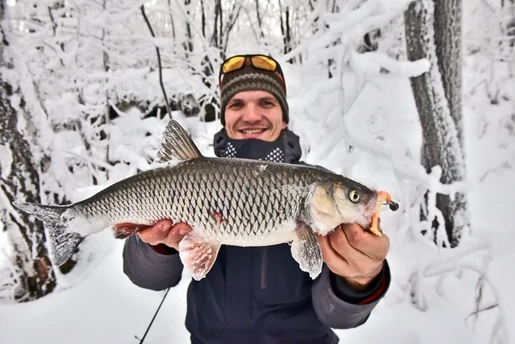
pixel 254 115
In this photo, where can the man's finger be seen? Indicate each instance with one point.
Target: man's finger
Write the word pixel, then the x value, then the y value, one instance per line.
pixel 338 241
pixel 329 255
pixel 178 232
pixel 341 246
pixel 163 225
pixel 373 246
pixel 149 236
pixel 157 233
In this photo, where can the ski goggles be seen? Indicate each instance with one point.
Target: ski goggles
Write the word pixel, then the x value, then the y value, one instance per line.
pixel 262 62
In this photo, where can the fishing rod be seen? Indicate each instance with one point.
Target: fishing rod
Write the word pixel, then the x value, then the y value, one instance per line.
pixel 153 318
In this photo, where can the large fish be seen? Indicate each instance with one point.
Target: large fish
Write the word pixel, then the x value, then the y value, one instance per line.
pixel 227 201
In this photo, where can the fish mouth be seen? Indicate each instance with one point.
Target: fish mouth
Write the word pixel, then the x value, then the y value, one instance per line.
pixel 371 207
pixel 380 199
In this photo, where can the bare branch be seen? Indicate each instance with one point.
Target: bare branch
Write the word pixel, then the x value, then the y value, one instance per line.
pixel 168 108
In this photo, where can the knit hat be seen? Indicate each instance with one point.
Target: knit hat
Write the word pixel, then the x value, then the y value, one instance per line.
pixel 250 78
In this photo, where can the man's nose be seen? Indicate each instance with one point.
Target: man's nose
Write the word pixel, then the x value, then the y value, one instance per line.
pixel 252 113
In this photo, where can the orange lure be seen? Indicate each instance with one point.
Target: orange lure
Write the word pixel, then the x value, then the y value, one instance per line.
pixel 383 197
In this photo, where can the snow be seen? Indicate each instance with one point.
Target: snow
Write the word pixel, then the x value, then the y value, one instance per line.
pixel 437 295
pixel 105 307
pixel 6 160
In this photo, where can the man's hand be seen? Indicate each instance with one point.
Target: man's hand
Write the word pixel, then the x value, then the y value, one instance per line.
pixel 354 254
pixel 165 232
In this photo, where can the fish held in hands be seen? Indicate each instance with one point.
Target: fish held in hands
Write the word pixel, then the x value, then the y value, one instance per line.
pixel 226 201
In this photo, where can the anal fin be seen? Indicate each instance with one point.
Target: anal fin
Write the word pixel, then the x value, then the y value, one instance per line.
pixel 306 250
pixel 198 254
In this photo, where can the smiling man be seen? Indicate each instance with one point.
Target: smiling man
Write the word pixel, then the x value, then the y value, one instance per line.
pixel 258 294
pixel 254 115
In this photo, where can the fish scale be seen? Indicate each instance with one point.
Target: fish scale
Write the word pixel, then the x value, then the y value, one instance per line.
pixel 235 205
pixel 230 191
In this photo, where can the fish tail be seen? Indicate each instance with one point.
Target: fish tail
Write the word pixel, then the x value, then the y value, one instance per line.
pixel 63 242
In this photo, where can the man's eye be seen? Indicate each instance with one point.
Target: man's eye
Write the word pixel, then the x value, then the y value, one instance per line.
pixel 235 105
pixel 267 103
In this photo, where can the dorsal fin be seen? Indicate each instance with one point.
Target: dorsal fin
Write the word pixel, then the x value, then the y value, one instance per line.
pixel 176 144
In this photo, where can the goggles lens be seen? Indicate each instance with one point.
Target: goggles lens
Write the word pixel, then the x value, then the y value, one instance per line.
pixel 257 61
pixel 234 63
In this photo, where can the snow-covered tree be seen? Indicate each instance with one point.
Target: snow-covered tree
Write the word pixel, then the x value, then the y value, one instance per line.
pixel 20 180
pixel 433 31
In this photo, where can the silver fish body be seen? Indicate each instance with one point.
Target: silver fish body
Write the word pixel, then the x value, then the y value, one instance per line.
pixel 225 200
pixel 234 201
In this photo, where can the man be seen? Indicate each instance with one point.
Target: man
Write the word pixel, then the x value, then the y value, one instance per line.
pixel 259 294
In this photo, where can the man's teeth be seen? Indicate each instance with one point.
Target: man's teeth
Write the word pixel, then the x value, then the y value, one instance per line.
pixel 253 131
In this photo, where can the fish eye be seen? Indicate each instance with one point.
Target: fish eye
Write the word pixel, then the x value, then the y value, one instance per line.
pixel 354 196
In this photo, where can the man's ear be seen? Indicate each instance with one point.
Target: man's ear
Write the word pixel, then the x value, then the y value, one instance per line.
pixel 284 125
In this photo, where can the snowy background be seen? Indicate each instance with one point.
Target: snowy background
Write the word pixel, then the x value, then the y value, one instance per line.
pixel 437 295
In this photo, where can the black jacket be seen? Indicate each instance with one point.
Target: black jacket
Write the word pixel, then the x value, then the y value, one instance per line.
pixel 257 295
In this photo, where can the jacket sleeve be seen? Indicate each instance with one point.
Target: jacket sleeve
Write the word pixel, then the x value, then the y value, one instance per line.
pixel 339 306
pixel 148 268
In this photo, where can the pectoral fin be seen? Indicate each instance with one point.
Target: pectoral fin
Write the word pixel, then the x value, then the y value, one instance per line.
pixel 306 250
pixel 198 255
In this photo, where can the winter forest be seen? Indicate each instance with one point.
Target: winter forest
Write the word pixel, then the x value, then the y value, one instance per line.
pixel 414 97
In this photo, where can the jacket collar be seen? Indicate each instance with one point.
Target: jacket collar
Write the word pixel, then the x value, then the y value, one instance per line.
pixel 285 149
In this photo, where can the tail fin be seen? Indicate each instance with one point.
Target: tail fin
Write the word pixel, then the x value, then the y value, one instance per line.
pixel 63 242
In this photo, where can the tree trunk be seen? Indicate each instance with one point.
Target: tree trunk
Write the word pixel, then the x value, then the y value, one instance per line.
pixel 260 23
pixel 285 24
pixel 508 24
pixel 331 61
pixel 438 101
pixel 215 37
pixel 188 45
pixel 220 24
pixel 203 18
pixel 19 180
pixel 172 24
pixel 447 26
pixel 232 18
